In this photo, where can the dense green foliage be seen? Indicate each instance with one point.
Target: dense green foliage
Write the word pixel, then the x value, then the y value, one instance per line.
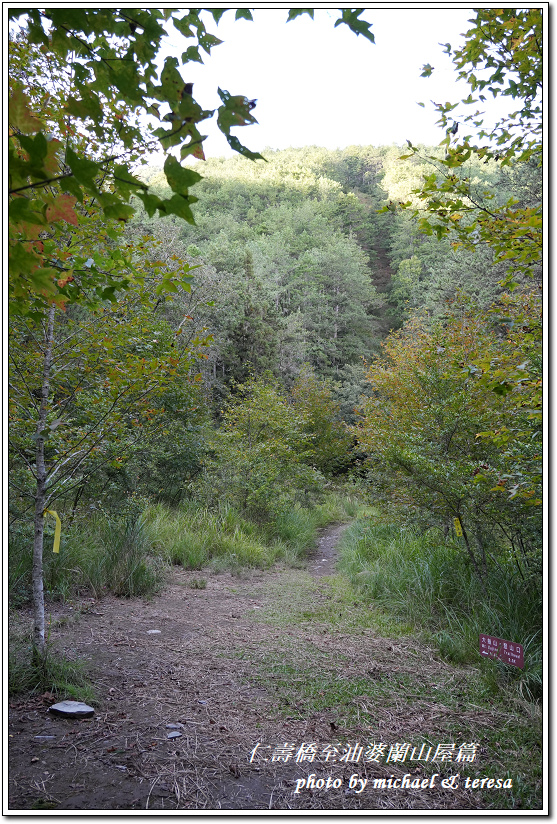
pixel 423 579
pixel 81 85
pixel 281 241
pixel 295 264
pixel 454 442
pixel 502 55
pixel 304 267
pixel 197 383
pixel 115 372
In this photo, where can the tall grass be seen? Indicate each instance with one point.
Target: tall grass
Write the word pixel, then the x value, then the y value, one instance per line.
pixel 128 555
pixel 97 554
pixel 194 535
pixel 59 675
pixel 298 526
pixel 430 583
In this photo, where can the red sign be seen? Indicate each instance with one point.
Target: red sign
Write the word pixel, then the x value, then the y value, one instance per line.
pixel 506 651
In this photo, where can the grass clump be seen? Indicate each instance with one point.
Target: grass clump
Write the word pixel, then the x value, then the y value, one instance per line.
pixel 195 535
pixel 430 583
pixel 298 526
pixel 96 555
pixel 128 554
pixel 56 674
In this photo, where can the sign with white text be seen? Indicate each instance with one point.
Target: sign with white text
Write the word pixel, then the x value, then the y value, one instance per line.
pixel 507 651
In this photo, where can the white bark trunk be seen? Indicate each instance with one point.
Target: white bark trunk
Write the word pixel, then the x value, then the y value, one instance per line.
pixel 40 497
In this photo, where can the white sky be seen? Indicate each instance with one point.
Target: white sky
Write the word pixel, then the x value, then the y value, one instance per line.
pixel 320 85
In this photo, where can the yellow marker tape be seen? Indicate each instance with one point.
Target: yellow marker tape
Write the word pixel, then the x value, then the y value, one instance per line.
pixel 57 529
pixel 457 527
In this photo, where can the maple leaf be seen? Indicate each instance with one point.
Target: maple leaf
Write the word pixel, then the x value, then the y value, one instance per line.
pixel 61 208
pixel 20 115
pixel 51 163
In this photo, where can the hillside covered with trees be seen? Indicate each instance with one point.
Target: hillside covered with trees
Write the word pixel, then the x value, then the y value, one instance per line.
pixel 209 360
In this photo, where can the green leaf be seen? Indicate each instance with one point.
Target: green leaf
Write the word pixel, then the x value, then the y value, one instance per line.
pixel 84 171
pixel 243 14
pixel 89 107
pixel 235 144
pixel 183 25
pixel 73 18
pixel 119 211
pixel 192 55
pixel 150 202
pixel 126 182
pixel 44 279
pixel 235 112
pixel 20 211
pixel 179 178
pixel 194 147
pixel 109 293
pixel 180 206
pixel 70 184
pixel 172 83
pixel 293 13
pixel 207 41
pixel 217 14
pixel 126 78
pixel 36 148
pixel 19 113
pixel 21 260
pixel 351 18
pixel 426 70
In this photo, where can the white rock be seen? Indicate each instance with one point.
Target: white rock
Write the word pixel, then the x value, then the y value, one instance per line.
pixel 72 709
pixel 153 632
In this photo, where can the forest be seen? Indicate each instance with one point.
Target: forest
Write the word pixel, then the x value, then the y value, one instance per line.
pixel 212 361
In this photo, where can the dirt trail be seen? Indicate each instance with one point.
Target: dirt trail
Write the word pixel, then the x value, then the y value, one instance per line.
pixel 245 665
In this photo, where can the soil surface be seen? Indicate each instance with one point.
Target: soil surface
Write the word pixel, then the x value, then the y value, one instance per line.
pixel 240 665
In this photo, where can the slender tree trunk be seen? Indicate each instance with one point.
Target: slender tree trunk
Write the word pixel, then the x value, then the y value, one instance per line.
pixel 40 497
pixel 472 557
pixel 79 493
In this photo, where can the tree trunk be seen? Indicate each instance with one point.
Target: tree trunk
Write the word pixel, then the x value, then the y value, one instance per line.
pixel 39 642
pixel 472 557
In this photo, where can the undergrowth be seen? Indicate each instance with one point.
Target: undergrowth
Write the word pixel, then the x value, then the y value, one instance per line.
pixel 194 535
pixel 129 555
pixel 429 583
pixel 97 554
pixel 56 674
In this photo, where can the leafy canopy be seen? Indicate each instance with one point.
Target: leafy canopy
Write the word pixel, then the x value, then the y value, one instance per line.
pixel 502 54
pixel 453 425
pixel 79 140
pixel 112 373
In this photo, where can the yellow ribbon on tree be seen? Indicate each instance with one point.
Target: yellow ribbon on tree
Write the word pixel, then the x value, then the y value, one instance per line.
pixel 458 527
pixel 57 529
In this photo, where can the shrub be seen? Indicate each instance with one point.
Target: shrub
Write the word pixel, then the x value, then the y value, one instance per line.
pixel 260 454
pixel 429 582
